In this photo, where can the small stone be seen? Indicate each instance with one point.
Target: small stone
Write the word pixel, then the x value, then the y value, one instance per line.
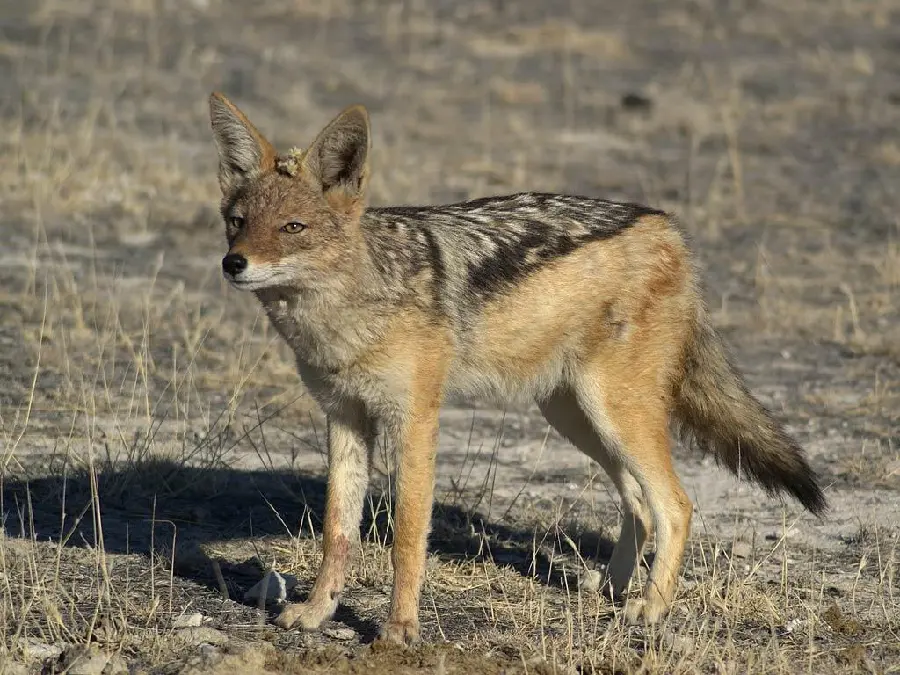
pixel 203 634
pixel 793 625
pixel 276 587
pixel 590 581
pixel 341 634
pixel 35 649
pixel 188 621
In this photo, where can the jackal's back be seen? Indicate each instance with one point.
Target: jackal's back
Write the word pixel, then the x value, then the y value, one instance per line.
pixel 478 249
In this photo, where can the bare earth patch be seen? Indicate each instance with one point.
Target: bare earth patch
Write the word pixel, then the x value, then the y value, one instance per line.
pixel 159 454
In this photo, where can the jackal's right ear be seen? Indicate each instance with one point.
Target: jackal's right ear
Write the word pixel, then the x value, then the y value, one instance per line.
pixel 243 151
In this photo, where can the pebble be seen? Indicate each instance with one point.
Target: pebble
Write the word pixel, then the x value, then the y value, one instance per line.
pixel 793 625
pixel 203 634
pixel 590 581
pixel 35 649
pixel 279 585
pixel 342 634
pixel 188 621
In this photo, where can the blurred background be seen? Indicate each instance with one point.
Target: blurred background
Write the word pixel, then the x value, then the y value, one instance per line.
pixel 771 128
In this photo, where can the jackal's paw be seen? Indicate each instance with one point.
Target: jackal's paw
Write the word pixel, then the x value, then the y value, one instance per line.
pixel 403 633
pixel 304 615
pixel 644 610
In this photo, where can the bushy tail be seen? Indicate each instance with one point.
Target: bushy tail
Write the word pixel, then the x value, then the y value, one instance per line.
pixel 714 409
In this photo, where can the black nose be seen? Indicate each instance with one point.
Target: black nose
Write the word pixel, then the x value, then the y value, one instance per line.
pixel 234 264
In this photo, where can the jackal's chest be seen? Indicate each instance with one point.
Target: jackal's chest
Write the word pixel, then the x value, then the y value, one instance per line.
pixel 330 361
pixel 329 342
pixel 308 339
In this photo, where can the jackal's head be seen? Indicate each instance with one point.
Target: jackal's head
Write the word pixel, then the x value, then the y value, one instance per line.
pixel 292 221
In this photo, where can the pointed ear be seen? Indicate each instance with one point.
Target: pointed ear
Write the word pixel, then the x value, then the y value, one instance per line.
pixel 338 158
pixel 243 151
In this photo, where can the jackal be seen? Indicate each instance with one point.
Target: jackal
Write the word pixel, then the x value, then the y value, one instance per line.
pixel 590 307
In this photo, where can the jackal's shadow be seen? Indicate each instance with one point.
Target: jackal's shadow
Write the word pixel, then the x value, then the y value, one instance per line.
pixel 144 505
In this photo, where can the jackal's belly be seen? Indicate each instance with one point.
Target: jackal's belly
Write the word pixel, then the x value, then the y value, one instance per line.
pixel 512 361
pixel 502 382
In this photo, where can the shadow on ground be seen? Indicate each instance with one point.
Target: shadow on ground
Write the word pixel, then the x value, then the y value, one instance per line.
pixel 163 506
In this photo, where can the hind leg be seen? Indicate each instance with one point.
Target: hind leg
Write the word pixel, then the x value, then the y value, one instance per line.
pixel 637 420
pixel 564 413
pixel 637 525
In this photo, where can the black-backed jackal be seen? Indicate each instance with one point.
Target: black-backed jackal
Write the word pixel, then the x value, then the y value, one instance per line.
pixel 590 307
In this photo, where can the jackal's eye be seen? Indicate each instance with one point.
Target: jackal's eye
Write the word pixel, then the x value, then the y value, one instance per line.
pixel 236 222
pixel 293 227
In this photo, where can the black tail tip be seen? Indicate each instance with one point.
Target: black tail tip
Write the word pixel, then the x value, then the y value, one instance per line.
pixel 809 493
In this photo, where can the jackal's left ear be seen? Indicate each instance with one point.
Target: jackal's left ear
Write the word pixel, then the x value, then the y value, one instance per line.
pixel 243 151
pixel 339 158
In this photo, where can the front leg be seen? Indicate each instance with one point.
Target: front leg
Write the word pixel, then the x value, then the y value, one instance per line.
pixel 351 441
pixel 416 447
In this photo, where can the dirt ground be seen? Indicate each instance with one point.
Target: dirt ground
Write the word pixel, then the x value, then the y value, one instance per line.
pixel 152 424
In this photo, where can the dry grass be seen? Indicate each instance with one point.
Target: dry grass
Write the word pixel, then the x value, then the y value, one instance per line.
pixel 509 592
pixel 151 422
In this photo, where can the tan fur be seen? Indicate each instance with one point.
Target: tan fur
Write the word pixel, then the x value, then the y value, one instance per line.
pixel 417 447
pixel 527 337
pixel 590 307
pixel 351 439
